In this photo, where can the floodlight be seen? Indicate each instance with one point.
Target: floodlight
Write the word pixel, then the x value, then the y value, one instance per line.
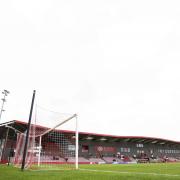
pixel 6 91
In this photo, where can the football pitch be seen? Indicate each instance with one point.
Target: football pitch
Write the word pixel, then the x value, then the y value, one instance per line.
pixel 97 172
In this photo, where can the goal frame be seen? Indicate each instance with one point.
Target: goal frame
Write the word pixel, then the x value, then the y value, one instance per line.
pixel 76 139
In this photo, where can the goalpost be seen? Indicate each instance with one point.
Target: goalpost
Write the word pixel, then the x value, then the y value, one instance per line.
pixel 52 142
pixel 63 142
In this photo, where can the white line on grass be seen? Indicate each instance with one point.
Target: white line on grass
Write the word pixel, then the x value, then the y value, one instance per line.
pixel 137 173
pixel 58 169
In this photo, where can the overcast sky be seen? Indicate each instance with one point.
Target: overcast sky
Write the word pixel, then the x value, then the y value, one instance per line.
pixel 115 63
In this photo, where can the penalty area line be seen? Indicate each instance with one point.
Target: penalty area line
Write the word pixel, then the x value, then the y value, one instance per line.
pixel 53 169
pixel 136 173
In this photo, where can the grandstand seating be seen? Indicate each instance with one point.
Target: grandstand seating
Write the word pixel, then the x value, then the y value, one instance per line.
pixel 96 160
pixel 126 159
pixel 132 160
pixel 172 159
pixel 50 159
pixel 83 160
pixel 110 159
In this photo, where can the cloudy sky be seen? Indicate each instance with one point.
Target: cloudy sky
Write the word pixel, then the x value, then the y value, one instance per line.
pixel 115 63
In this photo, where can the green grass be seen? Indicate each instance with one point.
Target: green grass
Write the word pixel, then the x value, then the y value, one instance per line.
pixel 98 172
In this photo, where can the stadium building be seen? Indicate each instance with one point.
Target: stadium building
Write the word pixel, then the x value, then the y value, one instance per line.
pixel 93 148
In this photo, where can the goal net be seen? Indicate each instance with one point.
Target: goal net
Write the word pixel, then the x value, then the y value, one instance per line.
pixel 52 141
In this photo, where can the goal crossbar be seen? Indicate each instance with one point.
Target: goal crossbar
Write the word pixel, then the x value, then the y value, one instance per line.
pixel 63 122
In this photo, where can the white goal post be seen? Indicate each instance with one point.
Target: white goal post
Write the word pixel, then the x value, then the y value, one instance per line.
pixel 52 143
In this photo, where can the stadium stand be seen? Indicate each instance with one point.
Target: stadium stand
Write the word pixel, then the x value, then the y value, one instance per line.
pixel 97 160
pixel 96 148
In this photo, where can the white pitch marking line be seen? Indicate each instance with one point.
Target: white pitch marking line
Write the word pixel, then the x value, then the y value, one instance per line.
pixel 138 173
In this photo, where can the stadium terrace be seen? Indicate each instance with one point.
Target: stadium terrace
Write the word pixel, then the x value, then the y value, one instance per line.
pixel 94 148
